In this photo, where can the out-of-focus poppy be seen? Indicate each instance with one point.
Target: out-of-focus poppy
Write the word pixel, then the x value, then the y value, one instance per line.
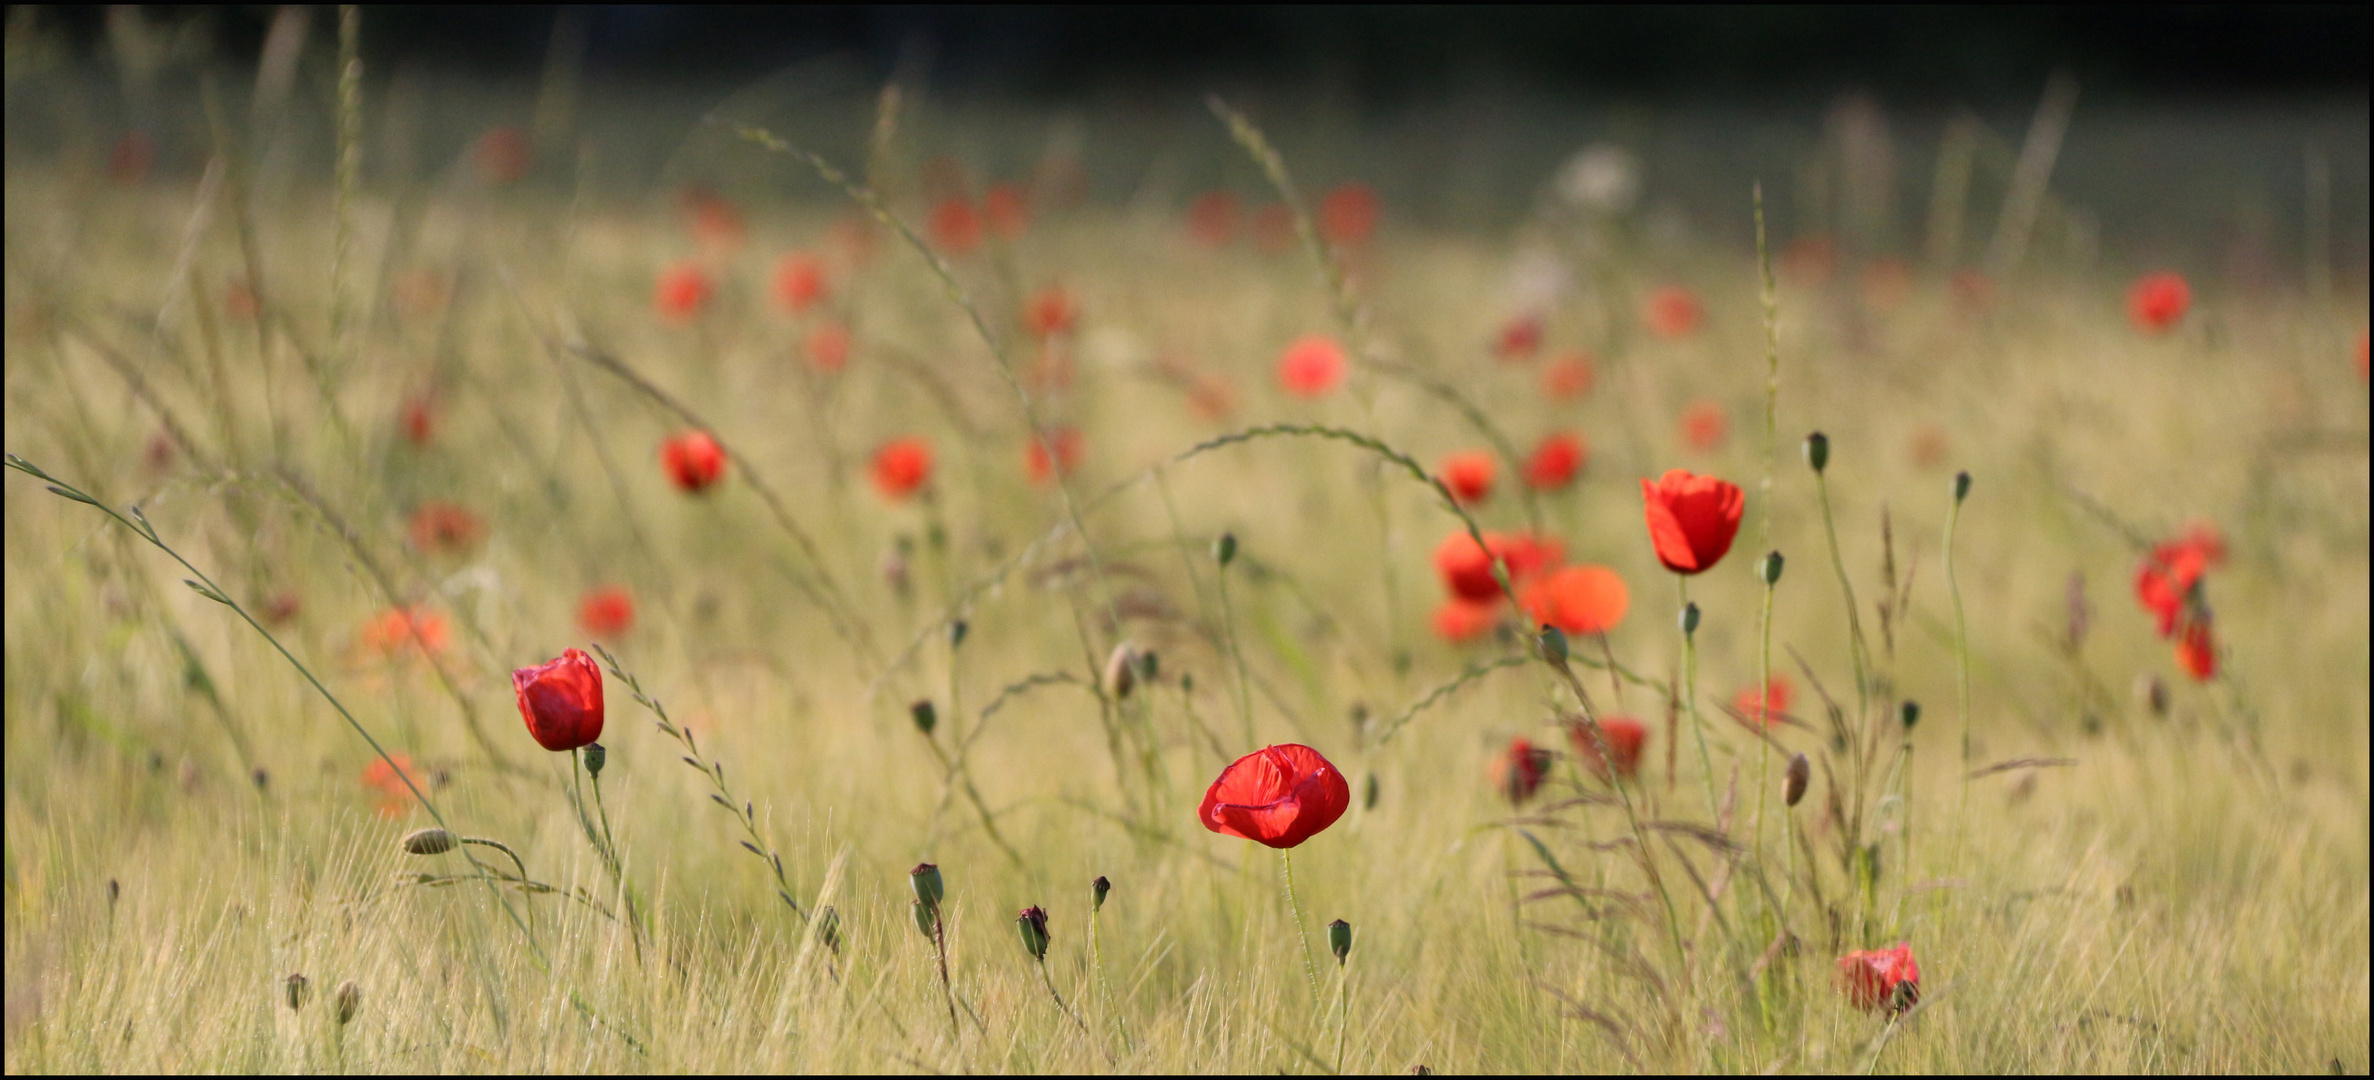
pixel 128 162
pixel 1672 312
pixel 1278 795
pixel 1469 475
pixel 1459 620
pixel 799 281
pixel 607 612
pixel 693 460
pixel 1624 736
pixel 716 221
pixel 1211 219
pixel 1577 599
pixel 902 466
pixel 1006 210
pixel 1928 446
pixel 240 301
pixel 1568 377
pixel 1555 461
pixel 1809 261
pixel 1519 770
pixel 443 528
pixel 1273 228
pixel 387 781
pixel 1035 463
pixel 955 227
pixel 561 700
pixel 395 630
pixel 159 454
pixel 1466 568
pixel 1348 214
pixel 683 290
pixel 828 347
pixel 1705 425
pixel 283 606
pixel 1519 340
pixel 1691 519
pixel 502 156
pixel 2157 301
pixel 1880 980
pixel 2196 650
pixel 2164 583
pixel 1312 367
pixel 1766 708
pixel 418 420
pixel 1051 311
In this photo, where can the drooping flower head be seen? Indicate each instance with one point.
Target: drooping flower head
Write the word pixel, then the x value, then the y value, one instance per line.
pixel 902 466
pixel 1880 980
pixel 1518 771
pixel 1555 461
pixel 561 700
pixel 1469 475
pixel 607 612
pixel 693 460
pixel 1624 737
pixel 2157 301
pixel 1311 367
pixel 1278 795
pixel 1691 519
pixel 1577 599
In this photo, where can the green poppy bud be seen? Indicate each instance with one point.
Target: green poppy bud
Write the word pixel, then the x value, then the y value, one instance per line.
pixel 1911 714
pixel 1689 618
pixel 1224 549
pixel 1817 451
pixel 595 758
pixel 1339 939
pixel 1149 666
pixel 923 919
pixel 1121 671
pixel 928 888
pixel 1961 486
pixel 1097 890
pixel 926 717
pixel 1769 568
pixel 1553 645
pixel 1368 792
pixel 956 632
pixel 1794 781
pixel 350 1002
pixel 1032 924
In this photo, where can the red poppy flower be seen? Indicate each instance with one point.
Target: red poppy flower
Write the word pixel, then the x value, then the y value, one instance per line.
pixel 1526 554
pixel 1766 708
pixel 2157 301
pixel 1568 377
pixel 1624 736
pixel 901 466
pixel 1211 219
pixel 693 460
pixel 1051 312
pixel 716 222
pixel 388 781
pixel 1348 215
pixel 799 281
pixel 2165 582
pixel 2196 650
pixel 1278 795
pixel 1691 519
pixel 607 613
pixel 828 347
pixel 561 700
pixel 1312 367
pixel 681 293
pixel 1459 620
pixel 1006 209
pixel 1556 460
pixel 1469 475
pixel 1067 455
pixel 1704 424
pixel 1673 312
pixel 445 529
pixel 1519 771
pixel 1466 569
pixel 397 629
pixel 128 162
pixel 418 420
pixel 1273 228
pixel 502 156
pixel 1809 260
pixel 955 227
pixel 1578 599
pixel 1519 340
pixel 1880 980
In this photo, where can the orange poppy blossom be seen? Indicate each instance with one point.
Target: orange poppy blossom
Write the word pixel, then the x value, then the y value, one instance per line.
pixel 683 290
pixel 1051 311
pixel 2158 301
pixel 1035 463
pixel 1577 599
pixel 799 281
pixel 388 781
pixel 1556 460
pixel 1880 980
pixel 1766 708
pixel 955 227
pixel 394 631
pixel 1458 620
pixel 693 460
pixel 1312 366
pixel 1705 425
pixel 2196 649
pixel 1568 378
pixel 445 529
pixel 901 467
pixel 1672 312
pixel 1469 475
pixel 1466 569
pixel 607 612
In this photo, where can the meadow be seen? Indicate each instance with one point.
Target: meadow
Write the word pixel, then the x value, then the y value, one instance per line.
pixel 935 513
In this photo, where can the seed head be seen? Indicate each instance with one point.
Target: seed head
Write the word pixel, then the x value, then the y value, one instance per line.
pixel 1032 924
pixel 1097 890
pixel 926 717
pixel 1339 939
pixel 431 841
pixel 298 988
pixel 1793 782
pixel 1689 618
pixel 595 758
pixel 928 889
pixel 350 1001
pixel 1769 569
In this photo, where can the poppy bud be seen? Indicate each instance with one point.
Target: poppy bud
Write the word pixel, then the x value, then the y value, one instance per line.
pixel 350 1001
pixel 1121 672
pixel 1793 782
pixel 1817 451
pixel 427 842
pixel 1097 890
pixel 1553 646
pixel 1186 683
pixel 1224 549
pixel 2153 692
pixel 923 919
pixel 595 758
pixel 1148 666
pixel 1368 792
pixel 925 716
pixel 828 929
pixel 1339 939
pixel 928 889
pixel 1689 618
pixel 1032 924
pixel 298 988
pixel 1769 569
pixel 1961 486
pixel 956 632
pixel 1911 714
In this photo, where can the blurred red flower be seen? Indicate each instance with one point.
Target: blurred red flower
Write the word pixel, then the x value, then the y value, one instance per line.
pixel 1519 340
pixel 607 612
pixel 901 466
pixel 1006 209
pixel 2196 650
pixel 1278 795
pixel 716 223
pixel 418 420
pixel 1555 461
pixel 1469 475
pixel 1519 770
pixel 1766 708
pixel 1568 377
pixel 1577 599
pixel 1704 425
pixel 388 781
pixel 693 460
pixel 1691 519
pixel 1673 312
pixel 445 529
pixel 1067 455
pixel 1880 980
pixel 283 606
pixel 1348 214
pixel 561 700
pixel 1466 569
pixel 502 156
pixel 1050 312
pixel 1459 620
pixel 2164 583
pixel 682 291
pixel 1311 367
pixel 799 281
pixel 392 631
pixel 828 347
pixel 955 227
pixel 1624 735
pixel 2157 301
pixel 1211 219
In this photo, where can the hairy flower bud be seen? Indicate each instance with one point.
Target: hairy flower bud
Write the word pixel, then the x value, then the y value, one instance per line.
pixel 928 888
pixel 431 841
pixel 1793 782
pixel 1689 618
pixel 1961 486
pixel 595 758
pixel 1339 939
pixel 1769 569
pixel 1097 890
pixel 1032 924
pixel 1911 714
pixel 926 717
pixel 1224 549
pixel 1553 645
pixel 1817 451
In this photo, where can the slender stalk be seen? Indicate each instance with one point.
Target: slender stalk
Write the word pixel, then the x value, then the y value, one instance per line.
pixel 1236 657
pixel 1953 585
pixel 1854 622
pixel 1706 766
pixel 1763 717
pixel 939 948
pixel 1343 1016
pixel 1771 367
pixel 1310 972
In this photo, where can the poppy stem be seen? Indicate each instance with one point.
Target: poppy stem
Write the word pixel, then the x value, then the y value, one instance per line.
pixel 1856 646
pixel 1953 586
pixel 1310 972
pixel 1236 656
pixel 1764 718
pixel 1706 766
pixel 939 948
pixel 1343 1016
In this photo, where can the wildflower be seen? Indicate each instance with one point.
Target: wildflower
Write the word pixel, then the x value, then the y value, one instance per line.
pixel 1039 467
pixel 901 466
pixel 1348 214
pixel 828 347
pixel 502 156
pixel 1468 475
pixel 445 528
pixel 2158 300
pixel 1279 796
pixel 1312 366
pixel 1519 771
pixel 1032 924
pixel 1006 210
pixel 693 460
pixel 606 613
pixel 1577 599
pixel 1211 219
pixel 1691 519
pixel 1624 737
pixel 1673 312
pixel 2196 650
pixel 398 628
pixel 682 291
pixel 561 700
pixel 799 281
pixel 1555 461
pixel 1568 377
pixel 1704 425
pixel 1459 620
pixel 386 775
pixel 1876 980
pixel 955 227
pixel 1767 708
pixel 1466 569
pixel 2166 581
pixel 1052 311
pixel 418 420
pixel 1520 339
